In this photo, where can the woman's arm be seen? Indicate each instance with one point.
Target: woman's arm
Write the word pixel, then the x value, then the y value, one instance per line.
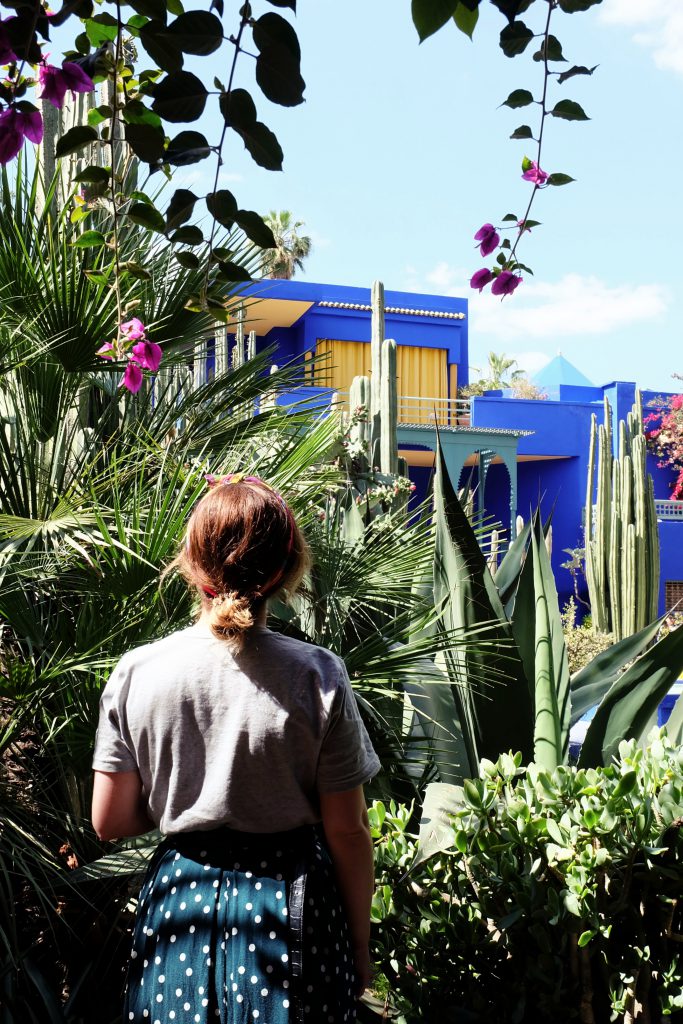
pixel 117 805
pixel 345 820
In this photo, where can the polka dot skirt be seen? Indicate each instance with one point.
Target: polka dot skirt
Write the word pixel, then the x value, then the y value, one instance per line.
pixel 235 928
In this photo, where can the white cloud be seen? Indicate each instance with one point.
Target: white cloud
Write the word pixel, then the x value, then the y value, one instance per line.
pixel 658 25
pixel 574 306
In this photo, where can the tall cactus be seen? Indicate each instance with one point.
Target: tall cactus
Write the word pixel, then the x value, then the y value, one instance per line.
pixel 376 342
pixel 622 540
pixel 388 442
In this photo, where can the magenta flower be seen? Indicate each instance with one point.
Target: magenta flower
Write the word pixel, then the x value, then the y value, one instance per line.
pixel 132 378
pixel 148 355
pixel 7 54
pixel 133 330
pixel 489 238
pixel 505 283
pixel 481 278
pixel 15 125
pixel 56 82
pixel 535 174
pixel 107 351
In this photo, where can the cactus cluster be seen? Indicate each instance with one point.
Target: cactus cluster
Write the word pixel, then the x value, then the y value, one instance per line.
pixel 622 540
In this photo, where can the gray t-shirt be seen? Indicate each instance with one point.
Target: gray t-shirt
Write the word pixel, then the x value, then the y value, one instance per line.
pixel 243 739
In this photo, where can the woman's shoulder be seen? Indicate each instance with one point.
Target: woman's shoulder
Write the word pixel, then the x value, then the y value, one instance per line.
pixel 301 652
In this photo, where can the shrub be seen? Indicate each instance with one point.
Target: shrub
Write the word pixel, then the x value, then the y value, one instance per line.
pixel 548 897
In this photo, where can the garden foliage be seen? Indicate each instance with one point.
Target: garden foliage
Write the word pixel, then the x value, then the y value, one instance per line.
pixel 543 896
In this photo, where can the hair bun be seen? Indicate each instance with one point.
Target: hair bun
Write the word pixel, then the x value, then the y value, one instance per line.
pixel 231 615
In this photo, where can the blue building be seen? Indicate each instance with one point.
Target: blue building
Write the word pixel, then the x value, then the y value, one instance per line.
pixel 516 451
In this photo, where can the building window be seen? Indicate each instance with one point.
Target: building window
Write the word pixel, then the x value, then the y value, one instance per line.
pixel 673 594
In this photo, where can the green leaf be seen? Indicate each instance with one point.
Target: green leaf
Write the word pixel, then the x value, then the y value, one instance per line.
pixel 511 8
pixel 187 235
pixel 559 179
pixel 97 277
pixel 515 38
pixel 585 937
pixel 254 228
pixel 230 271
pixel 89 240
pixel 625 785
pixel 493 716
pixel 146 142
pixel 187 260
pixel 222 206
pixel 523 132
pixel 135 112
pixel 510 217
pixel 187 148
pixel 553 49
pixel 591 683
pixel 263 147
pixel 627 709
pixel 577 70
pixel 284 3
pixel 553 830
pixel 279 77
pixel 198 32
pixel 162 46
pixel 135 270
pixel 96 115
pixel 431 15
pixel 466 19
pixel 551 671
pixel 94 175
pixel 238 109
pixel 180 208
pixel 181 96
pixel 576 6
pixel 147 217
pixel 75 139
pixel 437 835
pixel 101 29
pixel 518 98
pixel 273 30
pixel 674 725
pixel 568 110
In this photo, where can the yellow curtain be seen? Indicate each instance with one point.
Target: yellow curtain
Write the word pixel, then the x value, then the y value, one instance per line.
pixel 422 376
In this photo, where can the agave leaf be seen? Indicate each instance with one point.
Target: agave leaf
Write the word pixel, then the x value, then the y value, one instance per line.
pixel 436 825
pixel 509 570
pixel 674 725
pixel 590 684
pixel 626 711
pixel 493 719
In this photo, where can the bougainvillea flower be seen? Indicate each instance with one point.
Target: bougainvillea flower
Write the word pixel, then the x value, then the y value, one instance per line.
pixel 505 283
pixel 7 54
pixel 489 238
pixel 133 330
pixel 535 174
pixel 56 82
pixel 107 351
pixel 481 278
pixel 148 355
pixel 15 125
pixel 132 378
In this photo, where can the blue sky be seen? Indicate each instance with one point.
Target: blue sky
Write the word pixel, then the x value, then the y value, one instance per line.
pixel 401 152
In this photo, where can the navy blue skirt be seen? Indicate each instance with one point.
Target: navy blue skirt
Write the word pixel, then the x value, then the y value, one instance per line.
pixel 236 927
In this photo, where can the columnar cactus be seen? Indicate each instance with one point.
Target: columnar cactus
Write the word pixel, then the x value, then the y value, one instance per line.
pixel 622 540
pixel 388 441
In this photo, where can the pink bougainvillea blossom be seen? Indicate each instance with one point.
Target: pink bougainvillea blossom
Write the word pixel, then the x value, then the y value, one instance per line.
pixel 481 278
pixel 148 355
pixel 56 82
pixel 133 330
pixel 132 378
pixel 534 174
pixel 505 283
pixel 489 238
pixel 15 125
pixel 665 439
pixel 7 54
pixel 107 351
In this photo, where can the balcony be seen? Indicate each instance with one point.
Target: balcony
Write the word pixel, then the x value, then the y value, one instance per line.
pixel 669 510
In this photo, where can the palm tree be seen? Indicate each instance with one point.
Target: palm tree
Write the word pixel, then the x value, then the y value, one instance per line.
pixel 498 367
pixel 291 248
